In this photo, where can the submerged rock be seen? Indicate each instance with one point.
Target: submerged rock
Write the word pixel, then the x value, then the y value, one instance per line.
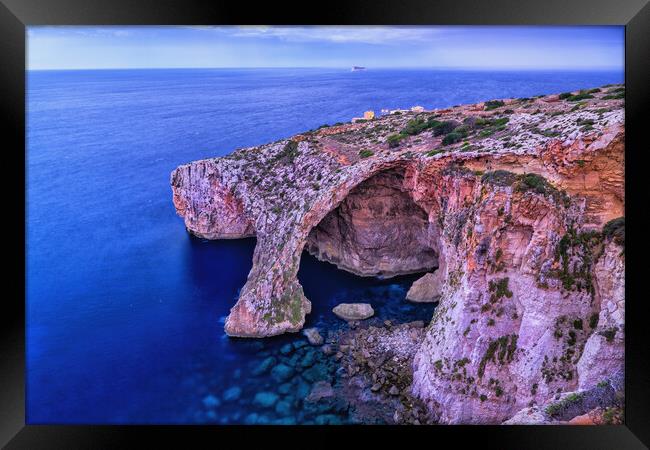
pixel 285 388
pixel 286 421
pixel 316 373
pixel 281 373
pixel 232 394
pixel 265 399
pixel 283 408
pixel 328 419
pixel 286 349
pixel 211 402
pixel 264 366
pixel 353 311
pixel 308 360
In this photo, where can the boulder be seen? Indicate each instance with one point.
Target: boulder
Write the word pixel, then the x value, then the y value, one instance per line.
pixel 353 311
pixel 426 289
pixel 321 389
pixel 313 336
pixel 528 416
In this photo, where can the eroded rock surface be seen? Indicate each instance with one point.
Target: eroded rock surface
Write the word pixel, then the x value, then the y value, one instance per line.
pixel 427 289
pixel 507 203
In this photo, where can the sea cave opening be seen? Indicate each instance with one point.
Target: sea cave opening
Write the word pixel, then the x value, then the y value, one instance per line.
pixel 378 230
pixel 381 242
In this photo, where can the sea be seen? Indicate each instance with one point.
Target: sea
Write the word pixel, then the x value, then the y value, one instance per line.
pixel 125 310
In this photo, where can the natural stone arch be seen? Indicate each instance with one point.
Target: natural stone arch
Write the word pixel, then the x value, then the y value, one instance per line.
pixel 272 301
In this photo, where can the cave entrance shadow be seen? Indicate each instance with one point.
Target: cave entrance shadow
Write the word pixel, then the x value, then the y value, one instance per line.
pixel 326 286
pixel 370 248
pixel 376 230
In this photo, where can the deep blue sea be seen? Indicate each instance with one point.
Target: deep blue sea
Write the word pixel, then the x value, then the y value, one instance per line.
pixel 125 310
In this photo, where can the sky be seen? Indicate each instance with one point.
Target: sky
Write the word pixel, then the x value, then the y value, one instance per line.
pixel 460 47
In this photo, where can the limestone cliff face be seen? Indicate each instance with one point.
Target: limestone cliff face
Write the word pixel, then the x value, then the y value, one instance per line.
pixel 507 206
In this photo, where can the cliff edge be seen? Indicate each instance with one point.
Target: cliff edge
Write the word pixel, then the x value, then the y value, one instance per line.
pixel 515 204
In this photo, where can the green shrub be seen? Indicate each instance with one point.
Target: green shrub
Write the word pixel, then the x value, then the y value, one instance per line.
pixel 445 127
pixel 609 334
pixel 578 97
pixel 535 183
pixel 565 95
pixel 614 96
pixel 613 416
pixel 490 126
pixel 555 409
pixel 452 138
pixel 593 320
pixel 365 153
pixel 501 350
pixel 499 178
pixel 414 126
pixel 493 104
pixel 289 152
pixel 394 140
pixel 615 230
pixel 499 289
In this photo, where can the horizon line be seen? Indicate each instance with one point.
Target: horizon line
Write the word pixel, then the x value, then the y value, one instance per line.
pixel 577 69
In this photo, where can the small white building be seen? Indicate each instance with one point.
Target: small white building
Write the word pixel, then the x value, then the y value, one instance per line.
pixel 417 109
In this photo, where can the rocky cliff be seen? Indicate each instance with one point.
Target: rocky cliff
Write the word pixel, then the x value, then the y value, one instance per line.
pixel 512 203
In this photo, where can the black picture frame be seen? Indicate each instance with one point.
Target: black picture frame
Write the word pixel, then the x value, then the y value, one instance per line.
pixel 16 15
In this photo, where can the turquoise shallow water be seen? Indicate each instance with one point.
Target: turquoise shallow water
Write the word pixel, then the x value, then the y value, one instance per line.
pixel 125 311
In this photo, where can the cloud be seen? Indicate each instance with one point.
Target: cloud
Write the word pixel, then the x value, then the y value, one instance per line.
pixel 334 34
pixel 69 31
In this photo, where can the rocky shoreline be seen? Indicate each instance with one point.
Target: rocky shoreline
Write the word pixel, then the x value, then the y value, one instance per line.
pixel 514 208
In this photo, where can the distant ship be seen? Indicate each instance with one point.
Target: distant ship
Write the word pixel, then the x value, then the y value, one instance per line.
pixel 356 68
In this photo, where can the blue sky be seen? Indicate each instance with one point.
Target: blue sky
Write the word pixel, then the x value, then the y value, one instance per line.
pixel 466 47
